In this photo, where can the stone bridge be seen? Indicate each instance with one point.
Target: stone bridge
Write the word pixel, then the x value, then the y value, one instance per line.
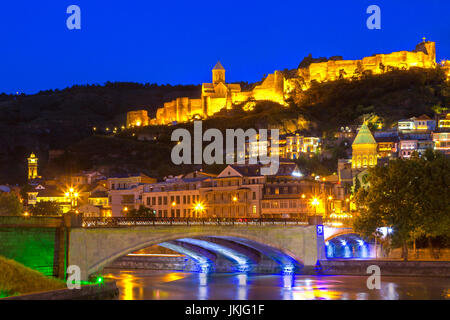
pixel 283 245
pixel 294 248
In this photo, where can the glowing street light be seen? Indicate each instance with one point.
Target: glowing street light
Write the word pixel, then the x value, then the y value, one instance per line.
pixel 198 207
pixel 72 195
pixel 315 202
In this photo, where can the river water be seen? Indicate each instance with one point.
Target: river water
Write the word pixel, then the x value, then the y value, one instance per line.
pixel 172 285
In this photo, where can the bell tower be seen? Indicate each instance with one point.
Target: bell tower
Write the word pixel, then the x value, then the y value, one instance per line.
pixel 218 73
pixel 32 167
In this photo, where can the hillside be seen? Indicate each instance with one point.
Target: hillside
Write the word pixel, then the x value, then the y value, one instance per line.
pixel 16 279
pixel 64 119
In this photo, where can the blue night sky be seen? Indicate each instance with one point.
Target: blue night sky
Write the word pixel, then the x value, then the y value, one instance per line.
pixel 178 42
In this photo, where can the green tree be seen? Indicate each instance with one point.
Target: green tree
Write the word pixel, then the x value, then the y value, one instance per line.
pixel 434 208
pixel 410 196
pixel 143 211
pixel 10 204
pixel 46 208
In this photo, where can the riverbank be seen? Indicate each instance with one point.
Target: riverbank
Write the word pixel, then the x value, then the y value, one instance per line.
pixel 104 291
pixel 16 279
pixel 387 267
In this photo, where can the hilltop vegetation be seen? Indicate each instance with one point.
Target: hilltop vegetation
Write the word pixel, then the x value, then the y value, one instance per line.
pixel 64 119
pixel 16 279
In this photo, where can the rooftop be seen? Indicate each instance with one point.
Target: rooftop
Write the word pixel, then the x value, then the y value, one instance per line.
pixel 364 136
pixel 218 66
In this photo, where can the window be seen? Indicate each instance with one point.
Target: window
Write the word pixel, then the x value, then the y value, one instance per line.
pixel 153 201
pixel 159 200
pixel 165 200
pixel 254 196
pixel 148 201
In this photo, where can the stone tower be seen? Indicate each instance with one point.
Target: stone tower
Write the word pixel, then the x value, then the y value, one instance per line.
pixel 32 167
pixel 429 48
pixel 218 73
pixel 364 149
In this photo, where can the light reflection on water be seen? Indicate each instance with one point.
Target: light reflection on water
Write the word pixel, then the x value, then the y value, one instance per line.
pixel 159 285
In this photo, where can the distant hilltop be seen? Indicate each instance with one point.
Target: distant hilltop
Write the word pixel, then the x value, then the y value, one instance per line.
pixel 279 86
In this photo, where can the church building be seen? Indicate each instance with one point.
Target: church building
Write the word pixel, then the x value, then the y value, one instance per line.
pixel 364 149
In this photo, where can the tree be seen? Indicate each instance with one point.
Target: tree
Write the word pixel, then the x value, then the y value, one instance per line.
pixel 410 196
pixel 434 208
pixel 46 208
pixel 143 211
pixel 357 185
pixel 10 204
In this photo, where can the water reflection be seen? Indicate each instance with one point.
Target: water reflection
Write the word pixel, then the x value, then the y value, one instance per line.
pixel 138 285
pixel 242 286
pixel 203 286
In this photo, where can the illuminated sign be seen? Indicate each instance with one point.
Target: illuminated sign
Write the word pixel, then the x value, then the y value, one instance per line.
pixel 320 230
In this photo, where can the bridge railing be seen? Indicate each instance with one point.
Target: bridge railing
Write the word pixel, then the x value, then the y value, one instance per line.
pixel 98 222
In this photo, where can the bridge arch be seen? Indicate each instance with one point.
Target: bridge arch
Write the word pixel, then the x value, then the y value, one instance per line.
pixel 347 245
pixel 93 249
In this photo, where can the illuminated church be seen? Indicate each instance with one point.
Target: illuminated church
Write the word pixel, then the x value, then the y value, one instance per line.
pixel 364 149
pixel 218 95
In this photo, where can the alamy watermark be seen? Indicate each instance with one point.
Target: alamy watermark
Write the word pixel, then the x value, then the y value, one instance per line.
pixel 260 148
pixel 73 277
pixel 74 20
pixel 374 20
pixel 374 280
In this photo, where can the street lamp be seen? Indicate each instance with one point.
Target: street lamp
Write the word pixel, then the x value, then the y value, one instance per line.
pixel 315 202
pixel 198 207
pixel 72 195
pixel 235 199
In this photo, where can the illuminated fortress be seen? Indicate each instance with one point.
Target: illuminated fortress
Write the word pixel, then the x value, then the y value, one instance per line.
pixel 218 95
pixel 277 87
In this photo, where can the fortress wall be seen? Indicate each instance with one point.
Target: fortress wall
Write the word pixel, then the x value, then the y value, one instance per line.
pixel 275 86
pixel 196 107
pixel 215 105
pixel 171 111
pixel 271 89
pixel 137 118
pixel 238 97
pixel 331 70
